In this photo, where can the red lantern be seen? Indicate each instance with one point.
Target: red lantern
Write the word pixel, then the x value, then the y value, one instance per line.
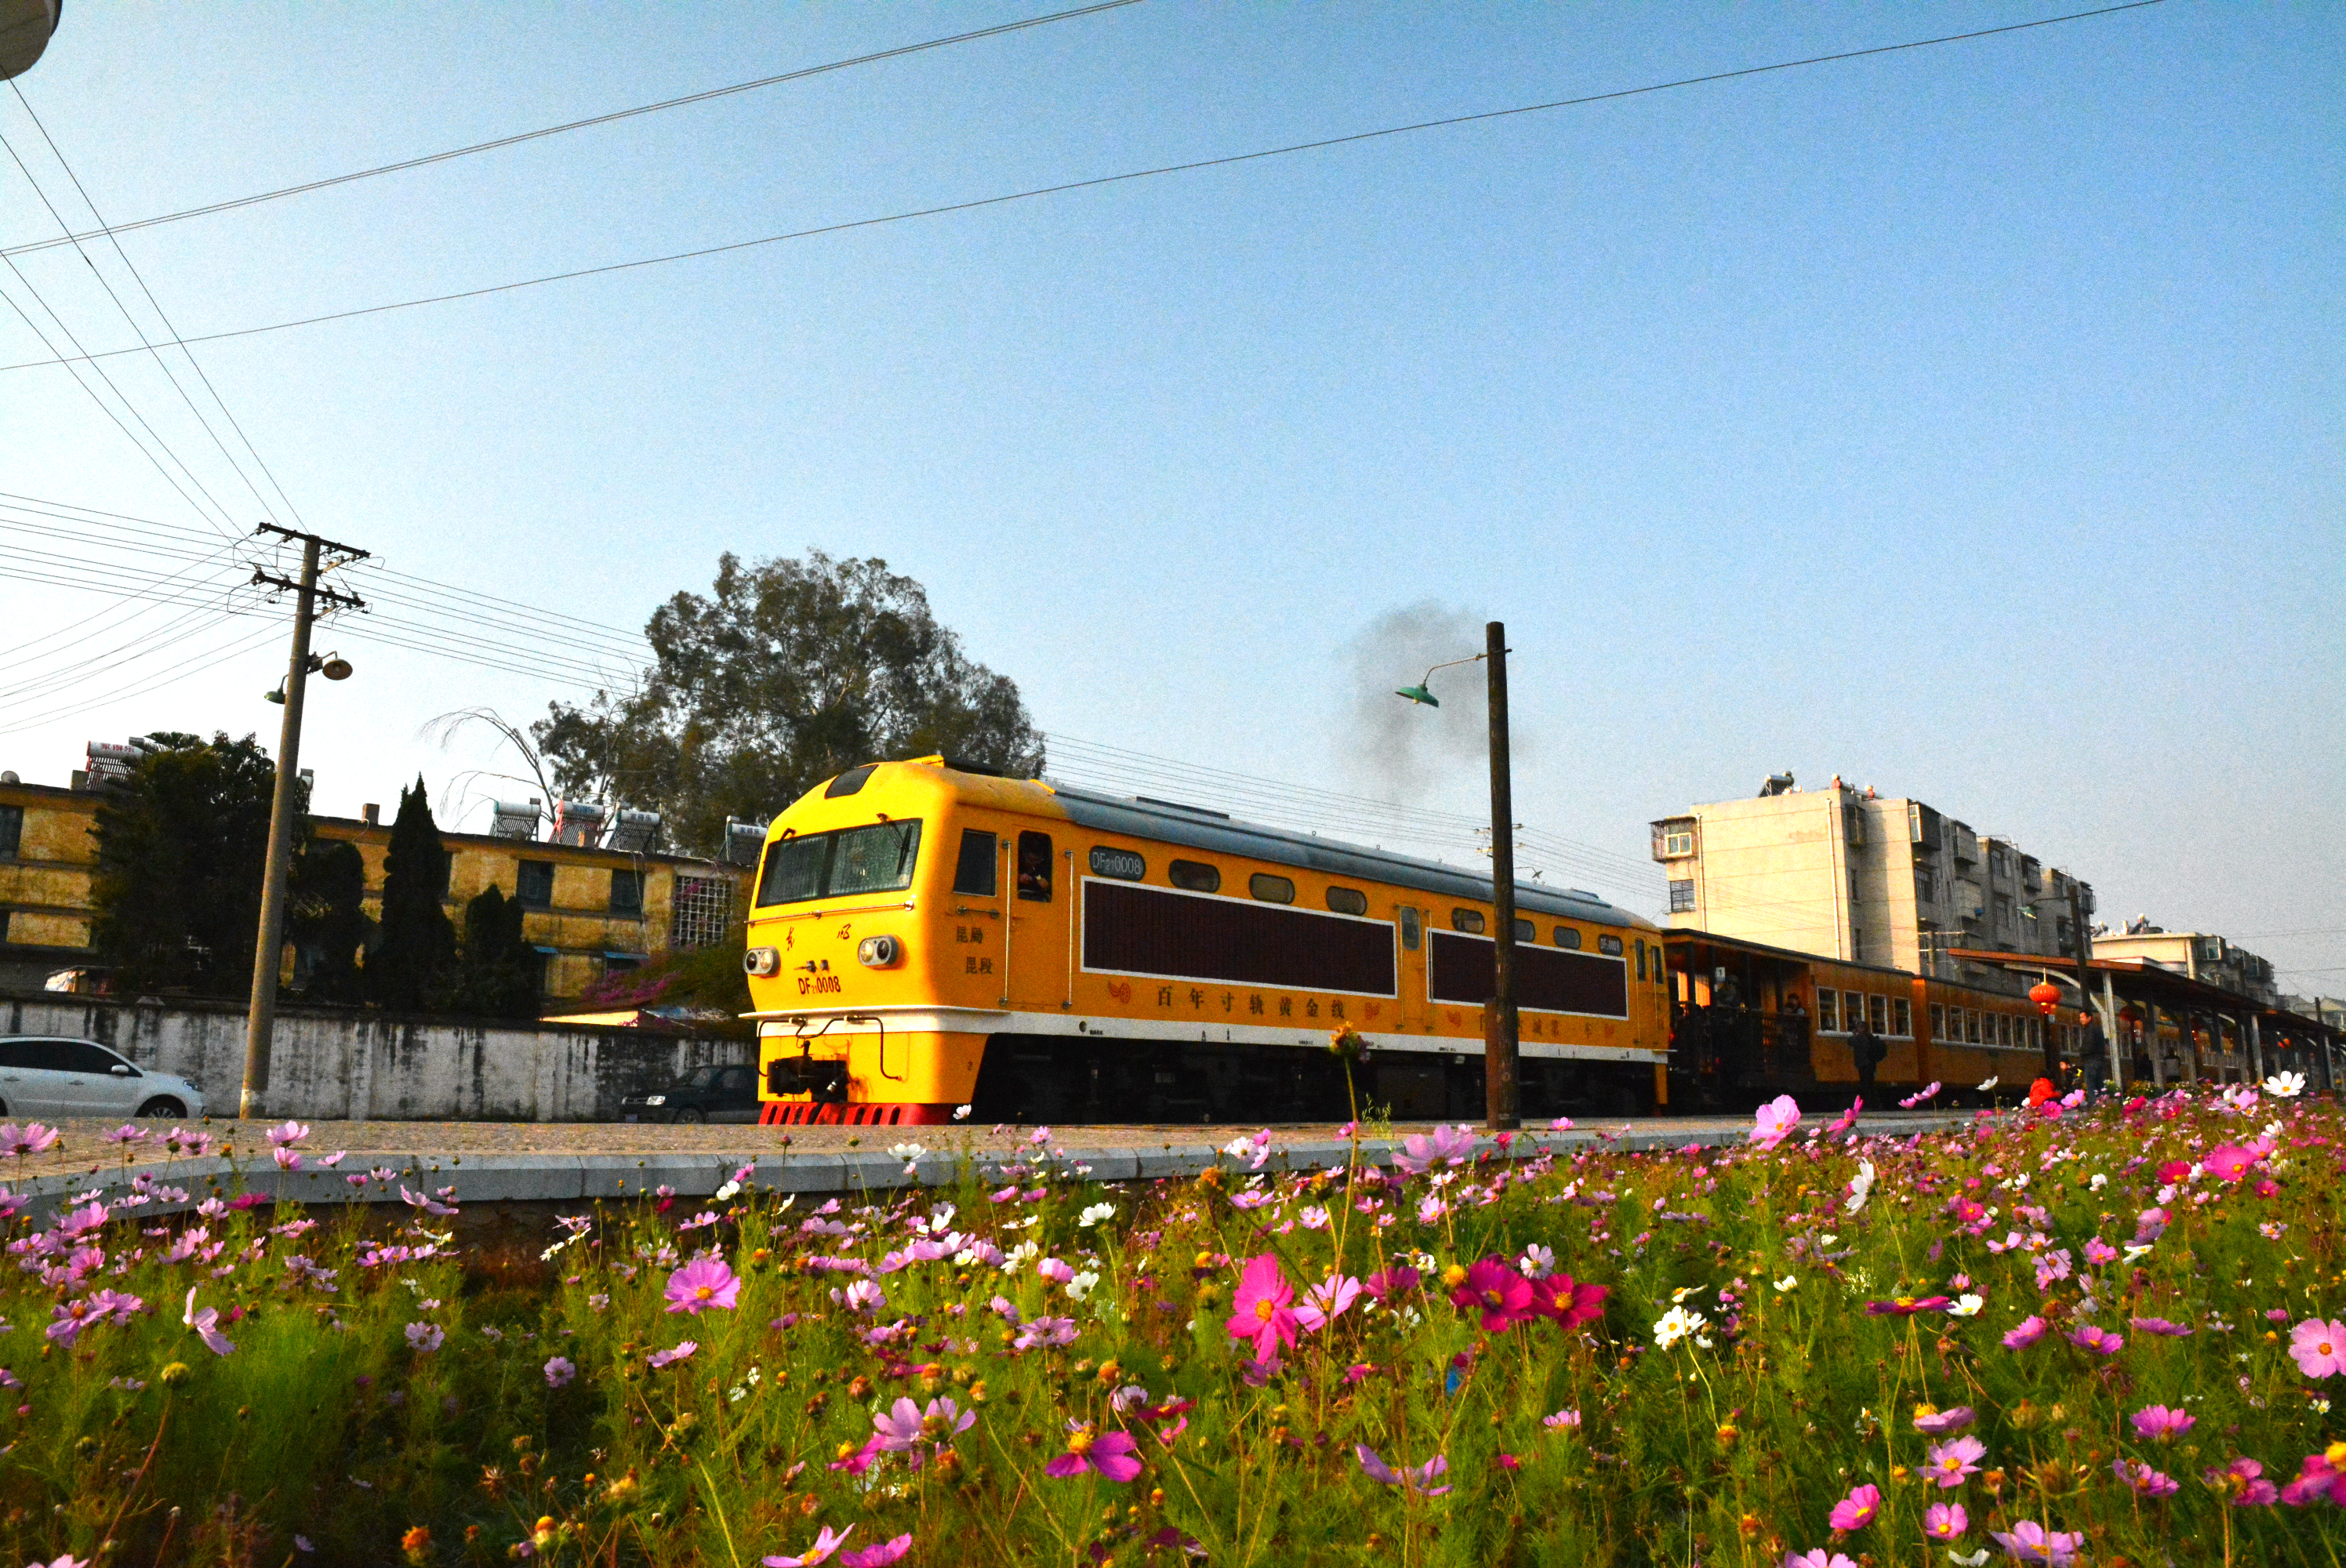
pixel 2044 993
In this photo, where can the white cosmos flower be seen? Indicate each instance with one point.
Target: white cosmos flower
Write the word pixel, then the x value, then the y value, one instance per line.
pixel 1081 1285
pixel 1860 1188
pixel 1787 1285
pixel 1984 1085
pixel 1677 1324
pixel 2285 1085
pixel 1094 1214
pixel 1967 1306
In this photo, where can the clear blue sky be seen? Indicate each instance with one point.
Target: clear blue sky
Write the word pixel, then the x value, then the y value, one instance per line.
pixel 1966 421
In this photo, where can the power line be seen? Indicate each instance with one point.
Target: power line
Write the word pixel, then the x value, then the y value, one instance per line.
pixel 1190 167
pixel 514 140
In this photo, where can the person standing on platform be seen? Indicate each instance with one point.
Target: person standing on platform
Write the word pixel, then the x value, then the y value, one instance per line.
pixel 1866 1046
pixel 2093 1057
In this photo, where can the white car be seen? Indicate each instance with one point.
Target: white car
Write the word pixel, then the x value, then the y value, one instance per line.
pixel 46 1076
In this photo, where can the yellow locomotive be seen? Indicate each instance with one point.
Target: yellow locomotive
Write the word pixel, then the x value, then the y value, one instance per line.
pixel 925 935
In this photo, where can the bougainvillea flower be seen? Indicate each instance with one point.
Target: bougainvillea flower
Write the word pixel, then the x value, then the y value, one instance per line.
pixel 2318 1348
pixel 1775 1121
pixel 1905 1306
pixel 1108 1453
pixel 1859 1509
pixel 1260 1313
pixel 2144 1480
pixel 2031 1329
pixel 1945 1520
pixel 703 1283
pixel 1419 1481
pixel 2156 1423
pixel 1954 1462
pixel 1938 1423
pixel 2244 1484
pixel 2029 1541
pixel 1501 1295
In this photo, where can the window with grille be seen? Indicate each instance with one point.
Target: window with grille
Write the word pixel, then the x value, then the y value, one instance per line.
pixel 12 831
pixel 1681 895
pixel 704 912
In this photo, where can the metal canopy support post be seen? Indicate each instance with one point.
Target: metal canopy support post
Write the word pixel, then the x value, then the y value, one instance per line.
pixel 2113 1034
pixel 1499 1097
pixel 2157 1044
pixel 2256 1050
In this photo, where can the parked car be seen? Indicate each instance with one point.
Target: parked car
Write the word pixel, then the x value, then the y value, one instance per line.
pixel 715 1093
pixel 46 1076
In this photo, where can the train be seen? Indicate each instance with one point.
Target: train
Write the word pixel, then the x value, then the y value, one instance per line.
pixel 930 939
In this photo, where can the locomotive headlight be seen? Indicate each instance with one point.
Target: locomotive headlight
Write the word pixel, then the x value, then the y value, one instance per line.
pixel 879 952
pixel 762 961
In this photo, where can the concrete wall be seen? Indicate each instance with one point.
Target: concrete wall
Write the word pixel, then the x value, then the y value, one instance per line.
pixel 336 1063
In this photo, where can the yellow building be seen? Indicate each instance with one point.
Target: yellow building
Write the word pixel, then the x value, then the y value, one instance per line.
pixel 591 911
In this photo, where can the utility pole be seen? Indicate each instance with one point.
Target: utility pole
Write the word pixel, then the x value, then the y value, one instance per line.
pixel 260 1020
pixel 1500 1100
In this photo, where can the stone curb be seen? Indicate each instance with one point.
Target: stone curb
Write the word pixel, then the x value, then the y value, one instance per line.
pixel 551 1178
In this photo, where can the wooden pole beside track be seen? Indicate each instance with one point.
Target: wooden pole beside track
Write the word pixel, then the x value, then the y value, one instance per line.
pixel 1499 1097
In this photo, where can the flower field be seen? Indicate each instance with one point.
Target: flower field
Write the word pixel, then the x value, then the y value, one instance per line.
pixel 2050 1334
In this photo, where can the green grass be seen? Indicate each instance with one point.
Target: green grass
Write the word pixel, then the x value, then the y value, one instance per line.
pixel 325 1426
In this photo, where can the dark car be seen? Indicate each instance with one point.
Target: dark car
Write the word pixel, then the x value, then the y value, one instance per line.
pixel 703 1094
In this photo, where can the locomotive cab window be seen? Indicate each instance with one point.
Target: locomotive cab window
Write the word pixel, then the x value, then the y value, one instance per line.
pixel 1468 921
pixel 1411 928
pixel 1195 876
pixel 1272 890
pixel 975 872
pixel 849 862
pixel 1348 900
pixel 1035 866
pixel 1567 936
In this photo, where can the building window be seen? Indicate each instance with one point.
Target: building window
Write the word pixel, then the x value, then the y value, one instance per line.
pixel 1569 936
pixel 1348 900
pixel 1681 895
pixel 1902 1017
pixel 976 872
pixel 1926 885
pixel 1828 1011
pixel 534 885
pixel 702 913
pixel 621 963
pixel 626 893
pixel 3 924
pixel 1857 945
pixel 12 831
pixel 1195 876
pixel 1468 921
pixel 1856 892
pixel 2003 913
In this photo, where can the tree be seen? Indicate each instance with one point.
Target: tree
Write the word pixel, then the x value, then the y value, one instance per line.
pixel 181 847
pixel 497 974
pixel 788 673
pixel 409 965
pixel 327 923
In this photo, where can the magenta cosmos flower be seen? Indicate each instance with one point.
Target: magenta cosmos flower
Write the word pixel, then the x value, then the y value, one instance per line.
pixel 1858 1510
pixel 660 1360
pixel 2090 1337
pixel 1261 1312
pixel 1566 1304
pixel 2243 1482
pixel 1905 1306
pixel 1945 1520
pixel 1938 1423
pixel 2228 1162
pixel 703 1283
pixel 2318 1348
pixel 2029 1541
pixel 827 1543
pixel 559 1370
pixel 2143 1479
pixel 1088 1448
pixel 1952 1464
pixel 2322 1475
pixel 1419 1481
pixel 1775 1121
pixel 1501 1295
pixel 1814 1557
pixel 2156 1423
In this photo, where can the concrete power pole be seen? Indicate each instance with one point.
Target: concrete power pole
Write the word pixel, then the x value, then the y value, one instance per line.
pixel 1500 1100
pixel 261 1019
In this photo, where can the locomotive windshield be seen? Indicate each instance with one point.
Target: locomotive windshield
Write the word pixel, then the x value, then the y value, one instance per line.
pixel 851 860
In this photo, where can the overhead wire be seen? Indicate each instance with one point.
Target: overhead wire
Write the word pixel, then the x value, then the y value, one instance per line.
pixel 516 139
pixel 1189 166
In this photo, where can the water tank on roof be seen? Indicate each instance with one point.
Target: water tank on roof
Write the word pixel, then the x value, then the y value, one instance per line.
pixel 111 764
pixel 635 833
pixel 24 29
pixel 579 822
pixel 744 841
pixel 508 820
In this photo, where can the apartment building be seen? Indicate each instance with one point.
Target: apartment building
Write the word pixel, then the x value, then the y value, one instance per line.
pixel 2202 955
pixel 1849 874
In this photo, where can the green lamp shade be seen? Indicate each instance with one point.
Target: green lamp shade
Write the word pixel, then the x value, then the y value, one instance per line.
pixel 1419 694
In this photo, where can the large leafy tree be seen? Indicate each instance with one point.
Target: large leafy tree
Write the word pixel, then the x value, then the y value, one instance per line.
pixel 410 965
pixel 181 843
pixel 786 672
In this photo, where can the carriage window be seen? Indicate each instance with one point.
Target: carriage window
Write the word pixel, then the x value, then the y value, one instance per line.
pixel 1035 866
pixel 1122 864
pixel 1567 936
pixel 975 872
pixel 1348 900
pixel 1853 1010
pixel 1272 890
pixel 1467 921
pixel 1412 930
pixel 1938 1021
pixel 1526 932
pixel 1195 876
pixel 1611 946
pixel 1901 1016
pixel 1828 1011
pixel 1877 1014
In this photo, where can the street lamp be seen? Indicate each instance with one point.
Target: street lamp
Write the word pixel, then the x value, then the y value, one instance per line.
pixel 1499 1097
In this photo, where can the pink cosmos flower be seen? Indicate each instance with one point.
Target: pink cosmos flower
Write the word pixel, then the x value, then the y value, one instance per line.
pixel 1848 1118
pixel 1566 1304
pixel 2159 1326
pixel 1446 1145
pixel 1859 1509
pixel 827 1541
pixel 703 1283
pixel 1938 1423
pixel 1261 1312
pixel 863 1296
pixel 32 1138
pixel 2318 1348
pixel 2243 1480
pixel 1044 1331
pixel 424 1337
pixel 559 1370
pixel 206 1324
pixel 1501 1295
pixel 1911 1100
pixel 2322 1475
pixel 1814 1557
pixel 2029 1541
pixel 1326 1301
pixel 291 1132
pixel 1945 1520
pixel 1775 1121
pixel 1108 1453
pixel 2031 1329
pixel 1952 1464
pixel 1054 1270
pixel 2100 1253
pixel 2143 1479
pixel 2090 1337
pixel 660 1360
pixel 2156 1423
pixel 1562 1422
pixel 2228 1162
pixel 878 1556
pixel 1905 1306
pixel 1418 1482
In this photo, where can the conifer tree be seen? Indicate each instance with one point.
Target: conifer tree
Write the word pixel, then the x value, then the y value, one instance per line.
pixel 498 973
pixel 409 966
